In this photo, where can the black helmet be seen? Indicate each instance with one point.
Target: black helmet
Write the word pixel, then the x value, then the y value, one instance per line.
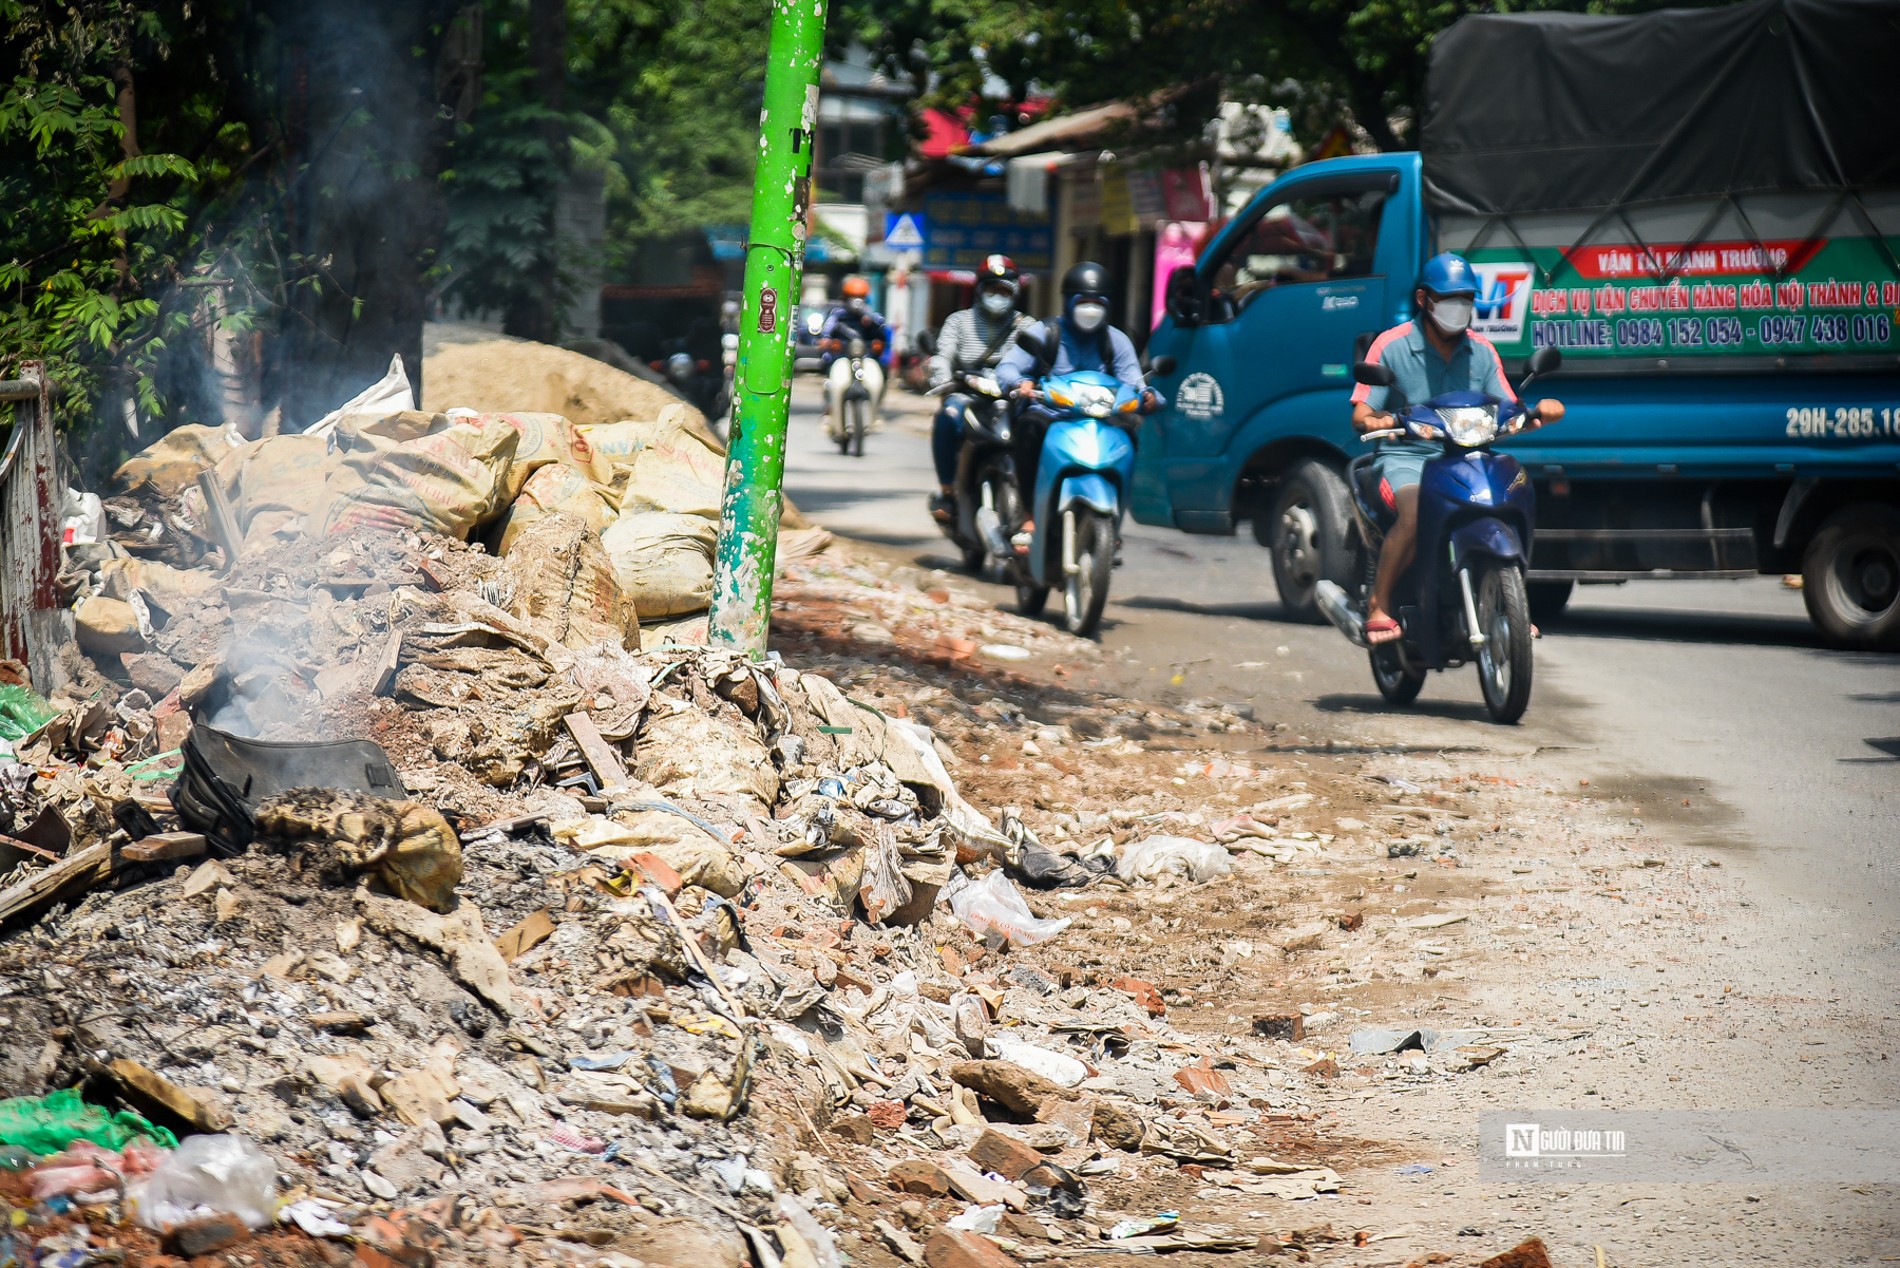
pixel 1087 279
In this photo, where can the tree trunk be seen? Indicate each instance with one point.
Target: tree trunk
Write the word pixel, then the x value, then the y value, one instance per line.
pixel 364 203
pixel 538 317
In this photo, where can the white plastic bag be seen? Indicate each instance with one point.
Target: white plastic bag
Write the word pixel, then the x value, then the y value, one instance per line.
pixel 1160 857
pixel 206 1175
pixel 391 394
pixel 992 909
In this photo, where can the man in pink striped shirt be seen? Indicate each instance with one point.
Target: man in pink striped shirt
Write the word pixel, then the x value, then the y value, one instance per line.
pixel 1429 356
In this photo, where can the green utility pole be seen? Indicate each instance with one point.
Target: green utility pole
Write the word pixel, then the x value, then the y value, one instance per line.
pixel 761 392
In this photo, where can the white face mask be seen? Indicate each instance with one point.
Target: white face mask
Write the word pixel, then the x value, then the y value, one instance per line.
pixel 1088 318
pixel 1452 315
pixel 996 305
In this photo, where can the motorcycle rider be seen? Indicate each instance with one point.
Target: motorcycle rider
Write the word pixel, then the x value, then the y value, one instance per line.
pixel 973 338
pixel 1431 355
pixel 1081 339
pixel 855 319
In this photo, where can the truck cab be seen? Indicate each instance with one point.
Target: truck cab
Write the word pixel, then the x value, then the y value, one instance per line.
pixel 1264 330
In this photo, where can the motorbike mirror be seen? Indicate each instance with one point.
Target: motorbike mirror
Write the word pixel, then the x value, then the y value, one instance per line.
pixel 1543 361
pixel 1161 365
pixel 1372 374
pixel 1034 346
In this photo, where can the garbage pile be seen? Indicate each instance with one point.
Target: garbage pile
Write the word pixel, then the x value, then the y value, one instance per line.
pixel 649 490
pixel 398 863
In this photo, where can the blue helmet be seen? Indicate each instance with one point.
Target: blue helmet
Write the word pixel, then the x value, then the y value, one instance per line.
pixel 1448 274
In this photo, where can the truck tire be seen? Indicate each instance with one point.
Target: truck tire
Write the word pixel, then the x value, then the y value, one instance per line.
pixel 1549 599
pixel 1850 578
pixel 1306 535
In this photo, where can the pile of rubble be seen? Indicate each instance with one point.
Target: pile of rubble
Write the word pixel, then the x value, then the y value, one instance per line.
pixel 612 954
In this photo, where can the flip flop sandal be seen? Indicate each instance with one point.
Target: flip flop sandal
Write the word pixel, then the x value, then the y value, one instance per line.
pixel 1382 625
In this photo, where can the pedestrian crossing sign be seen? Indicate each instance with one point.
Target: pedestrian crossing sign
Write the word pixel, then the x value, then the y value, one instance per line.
pixel 904 231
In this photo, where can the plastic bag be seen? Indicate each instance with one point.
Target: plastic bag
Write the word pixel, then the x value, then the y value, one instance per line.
pixel 388 395
pixel 48 1124
pixel 207 1175
pixel 1160 857
pixel 22 712
pixel 992 909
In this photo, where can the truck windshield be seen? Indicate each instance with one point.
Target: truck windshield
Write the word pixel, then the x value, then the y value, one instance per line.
pixel 1303 239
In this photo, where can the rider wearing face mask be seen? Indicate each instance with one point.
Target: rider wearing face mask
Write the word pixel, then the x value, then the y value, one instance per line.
pixel 1081 339
pixel 1431 355
pixel 972 338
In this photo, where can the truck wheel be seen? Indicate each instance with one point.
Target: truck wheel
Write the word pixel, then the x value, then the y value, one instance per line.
pixel 1307 536
pixel 1549 599
pixel 1850 578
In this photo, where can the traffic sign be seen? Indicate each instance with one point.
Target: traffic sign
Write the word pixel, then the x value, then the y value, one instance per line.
pixel 904 231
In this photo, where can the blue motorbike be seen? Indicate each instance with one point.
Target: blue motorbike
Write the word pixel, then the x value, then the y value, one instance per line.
pixel 1088 456
pixel 1464 597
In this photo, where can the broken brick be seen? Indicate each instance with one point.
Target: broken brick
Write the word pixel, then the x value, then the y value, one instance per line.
pixel 1145 993
pixel 925 1179
pixel 1527 1254
pixel 954 1248
pixel 207 1235
pixel 1204 1080
pixel 1005 1155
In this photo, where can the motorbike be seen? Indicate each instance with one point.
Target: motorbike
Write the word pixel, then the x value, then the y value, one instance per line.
pixel 987 505
pixel 1464 597
pixel 853 387
pixel 695 380
pixel 1087 460
pixel 729 368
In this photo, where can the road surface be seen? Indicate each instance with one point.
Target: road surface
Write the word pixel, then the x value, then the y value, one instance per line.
pixel 1712 703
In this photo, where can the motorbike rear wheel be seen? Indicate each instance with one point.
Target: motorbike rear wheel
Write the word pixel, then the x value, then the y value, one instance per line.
pixel 995 489
pixel 1504 658
pixel 1396 680
pixel 1085 592
pixel 1030 598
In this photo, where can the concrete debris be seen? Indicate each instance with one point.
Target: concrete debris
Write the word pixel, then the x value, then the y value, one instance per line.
pixel 631 948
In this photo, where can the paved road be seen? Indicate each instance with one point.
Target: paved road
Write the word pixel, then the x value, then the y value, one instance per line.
pixel 1716 694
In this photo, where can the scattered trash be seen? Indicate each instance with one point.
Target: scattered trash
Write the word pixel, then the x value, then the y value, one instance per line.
pixel 208 1175
pixel 1375 1041
pixel 1165 856
pixel 992 908
pixel 977 1219
pixel 1142 1227
pixel 48 1124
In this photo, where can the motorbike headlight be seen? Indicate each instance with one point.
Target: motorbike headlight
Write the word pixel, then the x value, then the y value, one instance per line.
pixel 679 366
pixel 814 322
pixel 857 348
pixel 1096 402
pixel 1470 425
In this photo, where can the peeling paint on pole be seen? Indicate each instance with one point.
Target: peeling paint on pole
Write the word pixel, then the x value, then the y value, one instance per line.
pixel 761 393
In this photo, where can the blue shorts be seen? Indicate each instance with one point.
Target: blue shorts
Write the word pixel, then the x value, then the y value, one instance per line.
pixel 1398 469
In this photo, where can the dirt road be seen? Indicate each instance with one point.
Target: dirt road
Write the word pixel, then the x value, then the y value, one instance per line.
pixel 1629 925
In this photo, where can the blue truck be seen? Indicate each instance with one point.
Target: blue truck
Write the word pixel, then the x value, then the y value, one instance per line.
pixel 1694 205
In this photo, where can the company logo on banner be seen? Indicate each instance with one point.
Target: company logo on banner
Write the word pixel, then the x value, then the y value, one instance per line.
pixel 1504 301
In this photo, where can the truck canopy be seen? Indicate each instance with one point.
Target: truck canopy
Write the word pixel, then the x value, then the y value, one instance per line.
pixel 1538 112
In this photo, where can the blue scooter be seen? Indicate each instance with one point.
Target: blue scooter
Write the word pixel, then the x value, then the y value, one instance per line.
pixel 1088 456
pixel 1464 596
